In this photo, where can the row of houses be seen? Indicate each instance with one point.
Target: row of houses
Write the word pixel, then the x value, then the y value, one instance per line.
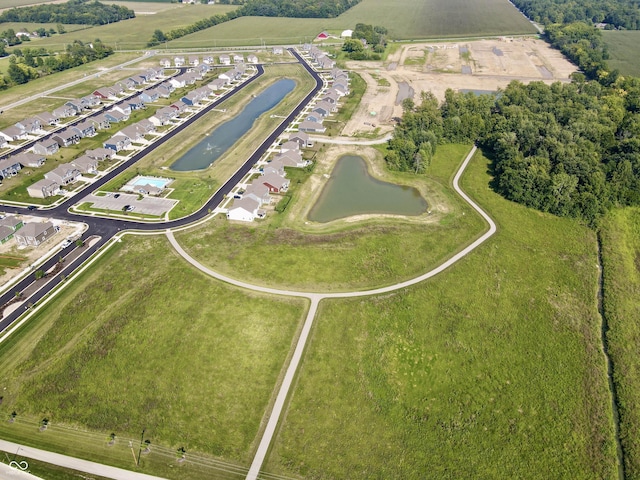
pixel 327 104
pixel 320 58
pixel 133 133
pixel 195 61
pixel 29 234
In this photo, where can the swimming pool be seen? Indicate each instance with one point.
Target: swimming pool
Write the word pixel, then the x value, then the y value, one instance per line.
pixel 157 182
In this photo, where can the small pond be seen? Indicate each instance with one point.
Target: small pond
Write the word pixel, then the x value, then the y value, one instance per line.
pixel 352 191
pixel 217 142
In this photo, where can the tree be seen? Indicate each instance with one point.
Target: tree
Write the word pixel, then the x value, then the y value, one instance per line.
pixel 352 45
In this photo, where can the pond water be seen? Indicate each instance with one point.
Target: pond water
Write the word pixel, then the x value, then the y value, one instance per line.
pixel 352 191
pixel 217 142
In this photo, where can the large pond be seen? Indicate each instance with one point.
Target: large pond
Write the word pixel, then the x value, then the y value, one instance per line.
pixel 352 191
pixel 222 138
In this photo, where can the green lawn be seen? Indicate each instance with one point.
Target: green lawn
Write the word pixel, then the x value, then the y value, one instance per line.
pixel 623 50
pixel 405 20
pixel 621 261
pixel 492 369
pixel 142 341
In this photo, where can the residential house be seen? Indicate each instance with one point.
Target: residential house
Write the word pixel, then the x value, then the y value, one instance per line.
pixel 146 126
pixel 290 145
pixel 100 153
pixel 76 105
pixel 165 62
pixel 163 90
pixel 47 118
pixel 314 127
pixel 208 59
pixel 178 61
pixel 149 96
pixel 100 121
pixel 251 58
pixel 84 129
pixel 13 133
pixel 6 234
pixel 86 164
pixel 225 59
pixel 258 192
pixel 191 77
pixel 278 50
pixel 105 93
pixel 203 69
pixel 314 117
pixel 9 167
pixel 137 80
pixel 46 147
pixel 43 188
pixel 118 89
pixel 65 111
pixel 124 108
pixel 30 125
pixel 324 109
pixel 132 132
pixel 135 103
pixel 275 166
pixel 340 88
pixel 66 138
pixel 8 226
pixel 33 234
pixel 163 116
pixel 238 58
pixel 302 139
pixel 117 142
pixel 179 106
pixel 115 116
pixel 63 174
pixel 31 160
pixel 179 81
pixel 275 183
pixel 194 61
pixel 3 142
pixel 291 158
pixel 325 62
pixel 90 101
pixel 244 209
pixel 330 97
pixel 217 84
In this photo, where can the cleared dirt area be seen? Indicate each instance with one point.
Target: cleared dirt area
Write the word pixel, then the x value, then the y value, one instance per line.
pixel 482 65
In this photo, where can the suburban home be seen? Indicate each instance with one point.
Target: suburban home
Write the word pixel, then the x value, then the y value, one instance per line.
pixel 123 107
pixel 290 145
pixel 6 234
pixel 126 84
pixel 324 108
pixel 31 160
pixel 46 147
pixel 100 153
pixel 105 93
pixel 9 167
pixel 163 116
pixel 179 106
pixel 132 132
pixel 302 139
pixel 203 69
pixel 308 126
pixel 67 137
pixel 225 59
pixel 137 81
pixel 165 62
pixel 178 61
pixel 275 166
pixel 194 61
pixel 326 62
pixel 86 164
pixel 8 226
pixel 43 188
pixel 117 89
pixel 330 97
pixel 135 103
pixel 251 58
pixel 191 77
pixel 100 121
pixel 13 133
pixel 163 90
pixel 64 111
pixel 149 96
pixel 84 129
pixel 238 58
pixel 340 88
pixel 30 125
pixel 90 101
pixel 115 116
pixel 208 59
pixel 117 142
pixel 244 209
pixel 63 174
pixel 217 84
pixel 314 117
pixel 76 105
pixel 178 82
pixel 291 158
pixel 258 192
pixel 47 118
pixel 3 142
pixel 145 126
pixel 278 50
pixel 275 183
pixel 33 234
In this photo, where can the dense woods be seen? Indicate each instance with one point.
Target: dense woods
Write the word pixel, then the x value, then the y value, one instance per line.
pixel 83 12
pixel 569 149
pixel 617 13
pixel 297 8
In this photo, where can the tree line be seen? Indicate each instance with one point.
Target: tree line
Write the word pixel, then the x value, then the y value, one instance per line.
pixel 616 13
pixel 85 12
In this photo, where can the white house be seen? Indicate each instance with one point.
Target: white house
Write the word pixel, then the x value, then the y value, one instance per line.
pixel 244 209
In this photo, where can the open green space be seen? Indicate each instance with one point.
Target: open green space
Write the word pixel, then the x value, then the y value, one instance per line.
pixel 492 369
pixel 48 471
pixel 405 20
pixel 623 50
pixel 343 255
pixel 620 235
pixel 120 350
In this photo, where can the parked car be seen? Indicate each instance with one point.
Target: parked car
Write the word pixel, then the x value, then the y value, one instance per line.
pixel 32 207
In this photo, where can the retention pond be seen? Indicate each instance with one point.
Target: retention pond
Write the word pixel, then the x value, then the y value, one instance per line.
pixel 217 142
pixel 352 191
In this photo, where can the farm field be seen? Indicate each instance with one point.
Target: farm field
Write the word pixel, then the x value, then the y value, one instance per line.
pixel 4 4
pixel 405 20
pixel 623 50
pixel 492 369
pixel 345 254
pixel 621 261
pixel 120 352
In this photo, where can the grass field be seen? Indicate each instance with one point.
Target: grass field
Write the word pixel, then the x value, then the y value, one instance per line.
pixel 344 255
pixel 50 472
pixel 405 20
pixel 623 51
pixel 120 351
pixel 621 261
pixel 492 369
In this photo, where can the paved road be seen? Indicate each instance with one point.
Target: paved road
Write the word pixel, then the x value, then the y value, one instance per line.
pixel 72 463
pixel 350 140
pixel 315 298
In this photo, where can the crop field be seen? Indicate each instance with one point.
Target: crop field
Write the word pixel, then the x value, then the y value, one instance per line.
pixel 492 369
pixel 20 3
pixel 623 50
pixel 119 351
pixel 136 32
pixel 405 20
pixel 621 261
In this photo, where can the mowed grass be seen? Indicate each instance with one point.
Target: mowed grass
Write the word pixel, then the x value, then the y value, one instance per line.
pixel 405 20
pixel 143 341
pixel 492 369
pixel 340 256
pixel 621 262
pixel 623 50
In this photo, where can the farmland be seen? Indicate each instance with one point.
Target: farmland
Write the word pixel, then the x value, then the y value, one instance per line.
pixel 87 361
pixel 491 370
pixel 623 50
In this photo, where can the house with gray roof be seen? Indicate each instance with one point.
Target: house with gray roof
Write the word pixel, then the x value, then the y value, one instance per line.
pixel 313 127
pixel 100 121
pixel 225 59
pixel 275 166
pixel 105 93
pixel 132 132
pixel 163 116
pixel 117 142
pixel 47 118
pixel 86 164
pixel 84 129
pixel 115 116
pixel 165 62
pixel 64 111
pixel 8 226
pixel 258 192
pixel 244 209
pixel 291 158
pixel 13 133
pixel 31 160
pixel 63 174
pixel 30 125
pixel 43 188
pixel 67 137
pixel 275 183
pixel 217 84
pixel 100 153
pixel 9 167
pixel 90 101
pixel 77 106
pixel 302 139
pixel 34 233
pixel 289 145
pixel 46 147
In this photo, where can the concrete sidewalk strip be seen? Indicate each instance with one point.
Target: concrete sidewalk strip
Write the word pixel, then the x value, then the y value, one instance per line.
pixel 73 463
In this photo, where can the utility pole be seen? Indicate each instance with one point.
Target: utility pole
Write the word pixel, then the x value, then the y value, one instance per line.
pixel 140 449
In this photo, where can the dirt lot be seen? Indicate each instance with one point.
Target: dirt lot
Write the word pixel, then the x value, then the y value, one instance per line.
pixel 488 65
